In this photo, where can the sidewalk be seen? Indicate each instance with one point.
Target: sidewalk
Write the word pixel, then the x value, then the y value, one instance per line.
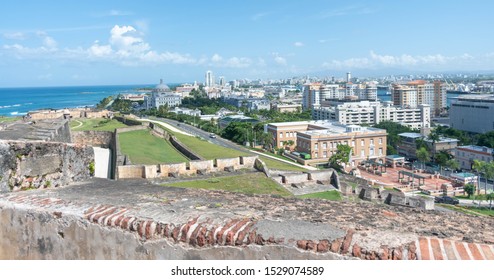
pixel 170 127
pixel 285 161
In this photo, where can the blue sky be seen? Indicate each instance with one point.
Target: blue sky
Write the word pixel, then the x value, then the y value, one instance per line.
pixel 134 42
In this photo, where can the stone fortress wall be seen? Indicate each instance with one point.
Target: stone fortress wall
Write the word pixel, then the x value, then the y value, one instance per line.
pixel 37 164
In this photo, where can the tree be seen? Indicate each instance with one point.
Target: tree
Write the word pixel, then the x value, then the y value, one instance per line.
pixel 266 140
pixel 488 169
pixel 452 164
pixel 288 144
pixel 490 197
pixel 434 137
pixel 423 155
pixel 469 189
pixel 341 156
pixel 478 167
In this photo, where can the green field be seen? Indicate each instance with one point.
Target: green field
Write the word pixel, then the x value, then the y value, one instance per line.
pixel 469 210
pixel 8 119
pixel 211 151
pixel 279 165
pixel 206 149
pixel 95 124
pixel 144 148
pixel 253 183
pixel 329 195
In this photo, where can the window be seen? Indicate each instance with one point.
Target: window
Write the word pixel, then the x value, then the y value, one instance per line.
pixel 324 154
pixel 380 151
pixel 281 134
pixel 380 140
pixel 372 141
pixel 353 143
pixel 324 146
pixel 291 134
pixel 362 142
pixel 316 146
pixel 371 151
pixel 362 153
pixel 315 155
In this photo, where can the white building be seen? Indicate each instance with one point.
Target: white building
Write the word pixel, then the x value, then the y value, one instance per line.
pixel 473 113
pixel 372 112
pixel 162 96
pixel 467 154
pixel 209 79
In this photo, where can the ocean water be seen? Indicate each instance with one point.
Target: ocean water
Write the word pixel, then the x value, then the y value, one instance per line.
pixel 19 101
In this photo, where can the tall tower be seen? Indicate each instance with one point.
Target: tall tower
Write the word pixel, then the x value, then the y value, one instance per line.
pixel 348 77
pixel 209 79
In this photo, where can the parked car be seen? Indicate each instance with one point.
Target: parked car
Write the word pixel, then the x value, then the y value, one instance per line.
pixel 212 135
pixel 446 200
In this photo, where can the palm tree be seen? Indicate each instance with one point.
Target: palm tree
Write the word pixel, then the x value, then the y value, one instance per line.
pixel 488 172
pixel 423 155
pixel 478 166
pixel 434 137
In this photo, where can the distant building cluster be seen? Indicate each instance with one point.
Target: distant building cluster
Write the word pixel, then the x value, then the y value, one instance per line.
pixel 317 94
pixel 374 112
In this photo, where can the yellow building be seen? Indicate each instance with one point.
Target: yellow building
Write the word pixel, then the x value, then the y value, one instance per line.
pixel 320 139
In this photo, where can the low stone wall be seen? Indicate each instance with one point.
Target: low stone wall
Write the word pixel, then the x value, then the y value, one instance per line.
pixel 101 139
pixel 185 168
pixel 27 165
pixel 127 121
pixel 184 149
pixel 131 172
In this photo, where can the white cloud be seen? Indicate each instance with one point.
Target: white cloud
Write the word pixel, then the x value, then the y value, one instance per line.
pixel 49 43
pixel 216 58
pixel 126 41
pixel 346 11
pixel 119 13
pixel 298 44
pixel 14 36
pixel 279 59
pixel 407 61
pixel 258 16
pixel 233 62
pixel 100 51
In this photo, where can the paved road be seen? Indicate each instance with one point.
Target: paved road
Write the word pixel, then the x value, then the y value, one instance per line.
pixel 203 134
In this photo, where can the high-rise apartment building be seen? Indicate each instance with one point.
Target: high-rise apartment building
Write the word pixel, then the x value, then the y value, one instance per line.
pixel 414 93
pixel 209 79
pixel 312 96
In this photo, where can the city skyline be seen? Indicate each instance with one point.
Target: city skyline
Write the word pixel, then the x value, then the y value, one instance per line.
pixel 90 43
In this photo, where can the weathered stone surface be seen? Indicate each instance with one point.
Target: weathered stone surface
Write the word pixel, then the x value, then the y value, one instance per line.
pixel 136 209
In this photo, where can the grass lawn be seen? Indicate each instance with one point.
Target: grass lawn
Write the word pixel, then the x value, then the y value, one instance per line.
pixel 279 165
pixel 8 119
pixel 144 148
pixel 95 124
pixel 470 210
pixel 252 183
pixel 329 195
pixel 212 151
pixel 206 149
pixel 473 197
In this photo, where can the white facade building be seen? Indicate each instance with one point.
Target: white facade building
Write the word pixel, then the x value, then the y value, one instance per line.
pixel 162 96
pixel 372 112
